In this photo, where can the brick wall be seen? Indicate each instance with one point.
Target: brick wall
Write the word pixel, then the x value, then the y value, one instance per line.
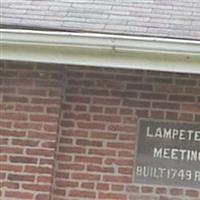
pixel 30 99
pixel 94 128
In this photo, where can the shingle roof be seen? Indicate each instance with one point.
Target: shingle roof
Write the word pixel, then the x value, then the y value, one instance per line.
pixel 164 18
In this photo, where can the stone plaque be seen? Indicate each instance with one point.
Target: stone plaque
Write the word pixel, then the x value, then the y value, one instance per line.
pixel 168 153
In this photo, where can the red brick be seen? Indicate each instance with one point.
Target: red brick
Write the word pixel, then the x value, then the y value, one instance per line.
pixel 132 188
pixel 96 109
pixel 88 159
pixel 103 135
pixel 106 101
pixel 66 184
pixel 3 158
pixel 15 99
pixel 126 111
pixel 127 94
pixel 10 185
pixel 192 90
pixel 160 80
pixel 5 124
pixel 44 179
pixel 85 176
pixel 41 135
pixel 91 125
pixel 186 82
pixel 2 175
pixel 87 185
pixel 78 99
pixel 9 167
pixel 69 166
pixel 63 157
pixel 176 192
pixel 120 161
pixel 59 192
pixel 19 195
pixel 131 78
pixel 84 142
pixel 182 98
pixel 194 108
pixel 14 116
pixel 22 142
pixel 71 149
pixel 27 125
pixel 125 137
pixel 7 90
pixel 96 168
pixel 75 116
pixel 95 92
pixel 120 145
pixel 43 118
pixel 186 116
pixel 32 92
pixel 117 187
pixel 46 161
pixel 98 75
pixel 48 144
pixel 18 82
pixel 36 187
pixel 125 153
pixel 23 159
pixel 121 128
pixel 75 133
pixel 142 113
pixel 65 141
pixel 7 133
pixel 109 84
pixel 153 96
pixel 166 105
pixel 42 197
pixel 50 127
pixel 161 190
pixel 171 115
pixel 139 86
pixel 117 179
pixel 40 170
pixel 11 150
pixel 102 152
pixel 62 175
pixel 146 189
pixel 45 101
pixel 17 177
pixel 80 108
pixel 47 83
pixel 40 152
pixel 107 118
pixel 113 196
pixel 67 123
pixel 192 193
pixel 83 194
pixel 157 114
pixel 126 171
pixel 53 110
pixel 102 186
pixel 136 103
pixel 3 140
pixel 29 108
pixel 55 92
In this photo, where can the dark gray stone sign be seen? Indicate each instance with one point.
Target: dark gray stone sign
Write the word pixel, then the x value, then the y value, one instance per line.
pixel 168 153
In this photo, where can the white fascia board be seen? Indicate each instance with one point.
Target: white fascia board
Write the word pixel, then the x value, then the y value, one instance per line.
pixel 101 50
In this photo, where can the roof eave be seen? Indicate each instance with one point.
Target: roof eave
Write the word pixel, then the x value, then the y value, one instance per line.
pixel 90 49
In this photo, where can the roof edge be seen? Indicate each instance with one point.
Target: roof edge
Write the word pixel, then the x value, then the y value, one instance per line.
pixel 101 50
